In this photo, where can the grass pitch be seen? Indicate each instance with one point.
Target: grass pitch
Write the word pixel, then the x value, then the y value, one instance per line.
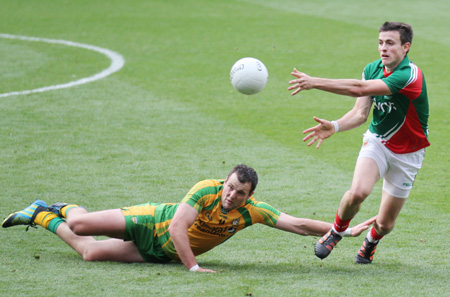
pixel 170 117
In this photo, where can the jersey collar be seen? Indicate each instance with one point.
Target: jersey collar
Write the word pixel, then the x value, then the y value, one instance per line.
pixel 404 62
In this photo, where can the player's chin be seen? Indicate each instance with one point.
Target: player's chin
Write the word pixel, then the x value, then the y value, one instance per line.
pixel 385 61
pixel 228 207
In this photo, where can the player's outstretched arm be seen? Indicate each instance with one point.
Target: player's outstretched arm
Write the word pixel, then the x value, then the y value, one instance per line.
pixel 302 226
pixel 309 227
pixel 346 87
pixel 183 219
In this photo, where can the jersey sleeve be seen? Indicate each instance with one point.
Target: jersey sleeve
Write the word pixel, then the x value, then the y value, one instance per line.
pixel 263 213
pixel 369 70
pixel 397 80
pixel 201 192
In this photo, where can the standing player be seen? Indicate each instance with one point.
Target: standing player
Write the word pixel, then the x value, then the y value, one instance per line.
pixel 210 213
pixel 394 145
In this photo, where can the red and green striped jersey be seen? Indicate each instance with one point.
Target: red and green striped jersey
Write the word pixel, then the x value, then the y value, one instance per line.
pixel 214 225
pixel 400 119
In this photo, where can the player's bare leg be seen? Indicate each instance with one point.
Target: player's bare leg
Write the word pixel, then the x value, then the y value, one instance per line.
pixel 365 176
pixel 91 249
pixel 390 208
pixel 110 223
pixel 81 226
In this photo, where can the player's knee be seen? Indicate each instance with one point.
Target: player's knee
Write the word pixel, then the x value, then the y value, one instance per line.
pixel 77 226
pixel 90 255
pixel 384 227
pixel 357 196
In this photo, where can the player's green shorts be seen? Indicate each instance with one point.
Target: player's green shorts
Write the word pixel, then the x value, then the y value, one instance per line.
pixel 140 222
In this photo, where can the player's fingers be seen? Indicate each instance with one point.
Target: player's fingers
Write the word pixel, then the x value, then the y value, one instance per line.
pixel 296 91
pixel 319 120
pixel 319 143
pixel 205 270
pixel 370 221
pixel 308 136
pixel 312 141
pixel 358 229
pixel 312 129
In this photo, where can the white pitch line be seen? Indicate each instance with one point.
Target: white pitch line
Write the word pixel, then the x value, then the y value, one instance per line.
pixel 117 62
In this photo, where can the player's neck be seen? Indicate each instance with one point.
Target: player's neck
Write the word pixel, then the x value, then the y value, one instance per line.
pixel 390 69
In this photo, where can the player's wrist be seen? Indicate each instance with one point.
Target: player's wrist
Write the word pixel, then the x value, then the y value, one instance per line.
pixel 348 232
pixel 336 126
pixel 194 268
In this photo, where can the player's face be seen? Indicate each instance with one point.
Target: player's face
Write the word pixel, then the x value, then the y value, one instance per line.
pixel 234 192
pixel 391 49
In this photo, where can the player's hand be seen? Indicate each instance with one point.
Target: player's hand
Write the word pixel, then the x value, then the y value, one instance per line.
pixel 205 270
pixel 302 82
pixel 358 229
pixel 320 132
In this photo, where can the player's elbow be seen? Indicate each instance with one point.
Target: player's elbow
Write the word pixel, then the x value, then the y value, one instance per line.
pixel 357 91
pixel 359 88
pixel 173 229
pixel 302 227
pixel 361 119
pixel 359 116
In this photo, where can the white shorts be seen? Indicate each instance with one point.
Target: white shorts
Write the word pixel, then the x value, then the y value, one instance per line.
pixel 397 170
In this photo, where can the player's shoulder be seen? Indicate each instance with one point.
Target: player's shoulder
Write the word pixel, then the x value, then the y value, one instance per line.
pixel 408 68
pixel 261 212
pixel 406 72
pixel 206 188
pixel 374 66
pixel 373 70
pixel 207 183
pixel 204 191
pixel 212 181
pixel 253 203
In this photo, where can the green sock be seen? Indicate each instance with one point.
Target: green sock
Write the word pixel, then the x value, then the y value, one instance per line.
pixel 66 208
pixel 54 224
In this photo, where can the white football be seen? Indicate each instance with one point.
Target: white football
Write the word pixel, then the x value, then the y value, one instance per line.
pixel 249 76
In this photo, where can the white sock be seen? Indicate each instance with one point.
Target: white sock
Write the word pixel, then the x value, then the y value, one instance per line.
pixel 341 234
pixel 370 238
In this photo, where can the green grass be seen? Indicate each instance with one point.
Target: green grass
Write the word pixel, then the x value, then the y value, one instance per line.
pixel 170 117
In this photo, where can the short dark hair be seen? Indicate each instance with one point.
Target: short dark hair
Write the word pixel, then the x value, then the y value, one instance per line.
pixel 245 174
pixel 405 30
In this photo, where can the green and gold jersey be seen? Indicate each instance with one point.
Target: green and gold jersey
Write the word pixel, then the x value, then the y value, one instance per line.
pixel 214 225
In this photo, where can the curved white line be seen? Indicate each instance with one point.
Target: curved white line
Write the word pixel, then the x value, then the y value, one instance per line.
pixel 117 62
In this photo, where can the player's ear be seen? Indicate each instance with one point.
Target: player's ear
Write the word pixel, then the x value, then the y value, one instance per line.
pixel 406 46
